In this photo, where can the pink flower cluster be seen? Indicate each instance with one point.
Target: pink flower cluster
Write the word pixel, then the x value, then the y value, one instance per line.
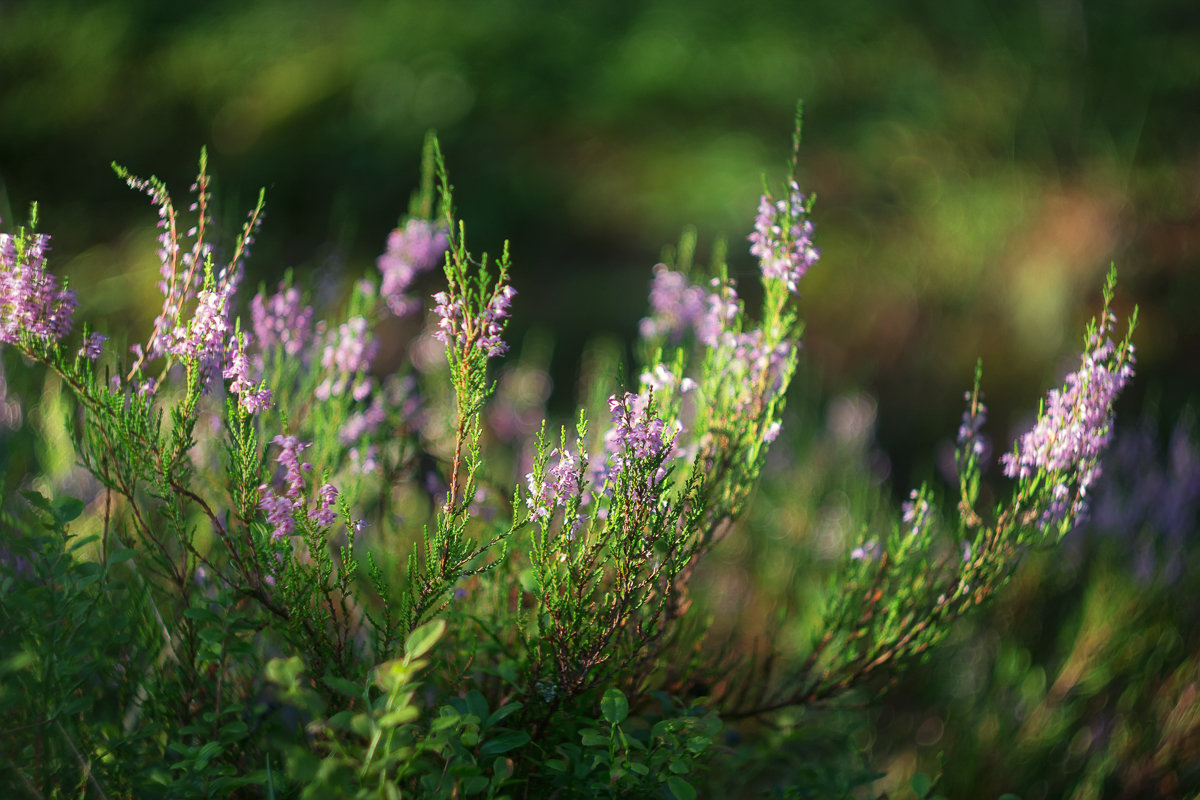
pixel 636 435
pixel 281 508
pixel 782 238
pixel 1075 424
pixel 349 351
pixel 418 247
pixel 458 331
pixel 281 321
pixel 31 301
pixel 251 399
pixel 560 483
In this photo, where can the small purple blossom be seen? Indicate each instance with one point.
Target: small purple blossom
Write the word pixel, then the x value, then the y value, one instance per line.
pixel 281 321
pixel 867 551
pixel 916 512
pixel 558 485
pixel 31 300
pixel 970 438
pixel 416 248
pixel 782 238
pixel 636 435
pixel 289 457
pixel 279 512
pixel 93 346
pixel 1075 424
pixel 349 351
pixel 492 322
pixel 251 399
pixel 324 513
pixel 676 306
pixel 458 330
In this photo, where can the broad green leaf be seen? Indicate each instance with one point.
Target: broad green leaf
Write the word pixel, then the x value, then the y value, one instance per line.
pixel 420 641
pixel 681 789
pixel 123 554
pixel 502 712
pixel 614 706
pixel 67 509
pixel 503 742
pixel 593 738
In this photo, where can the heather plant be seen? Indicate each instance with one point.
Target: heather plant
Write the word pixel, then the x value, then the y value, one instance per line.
pixel 293 573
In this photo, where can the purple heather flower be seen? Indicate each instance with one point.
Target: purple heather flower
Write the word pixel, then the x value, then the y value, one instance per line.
pixel 416 248
pixel 348 353
pixel 281 321
pixel 492 322
pixel 676 306
pixel 279 512
pixel 31 300
pixel 970 438
pixel 916 512
pixel 782 238
pixel 289 457
pixel 93 346
pixel 867 551
pixel 1075 424
pixel 324 513
pixel 237 370
pixel 454 329
pixel 636 435
pixel 558 485
pixel 363 423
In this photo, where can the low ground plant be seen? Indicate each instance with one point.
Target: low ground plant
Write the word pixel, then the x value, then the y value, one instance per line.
pixel 272 567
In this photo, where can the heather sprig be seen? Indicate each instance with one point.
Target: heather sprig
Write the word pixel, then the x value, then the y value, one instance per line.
pixel 195 319
pixel 896 598
pixel 1074 425
pixel 31 301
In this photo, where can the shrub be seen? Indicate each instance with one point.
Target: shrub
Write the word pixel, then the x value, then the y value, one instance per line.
pixel 292 576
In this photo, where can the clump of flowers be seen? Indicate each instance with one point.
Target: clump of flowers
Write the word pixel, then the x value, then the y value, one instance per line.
pixel 782 237
pixel 348 353
pixel 416 248
pixel 282 321
pixel 1074 426
pixel 482 332
pixel 31 299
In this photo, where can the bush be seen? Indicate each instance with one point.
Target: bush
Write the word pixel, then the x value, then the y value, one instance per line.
pixel 292 575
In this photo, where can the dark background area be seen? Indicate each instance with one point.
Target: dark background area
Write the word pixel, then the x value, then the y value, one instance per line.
pixel 976 170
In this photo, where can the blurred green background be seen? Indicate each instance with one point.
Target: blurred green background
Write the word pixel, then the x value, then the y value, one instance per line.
pixel 976 169
pixel 977 166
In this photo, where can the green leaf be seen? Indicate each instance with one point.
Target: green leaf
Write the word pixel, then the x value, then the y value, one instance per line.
pixel 477 704
pixel 285 672
pixel 123 554
pixel 614 706
pixel 37 500
pixel 422 640
pixel 502 712
pixel 67 509
pixel 921 784
pixel 593 738
pixel 681 789
pixel 503 742
pixel 474 784
pixel 342 686
pixel 502 769
pixel 400 716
